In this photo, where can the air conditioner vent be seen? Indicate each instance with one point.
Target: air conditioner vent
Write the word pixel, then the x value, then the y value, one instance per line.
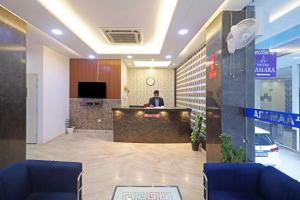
pixel 123 36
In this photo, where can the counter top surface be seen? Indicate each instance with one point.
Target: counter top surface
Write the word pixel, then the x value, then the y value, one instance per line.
pixel 148 108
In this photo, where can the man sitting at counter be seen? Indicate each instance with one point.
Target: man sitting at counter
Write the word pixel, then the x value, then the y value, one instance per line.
pixel 156 101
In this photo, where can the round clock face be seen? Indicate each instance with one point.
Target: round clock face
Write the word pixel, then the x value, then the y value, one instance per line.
pixel 150 81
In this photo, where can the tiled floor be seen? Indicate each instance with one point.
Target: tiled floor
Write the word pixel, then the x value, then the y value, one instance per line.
pixel 107 164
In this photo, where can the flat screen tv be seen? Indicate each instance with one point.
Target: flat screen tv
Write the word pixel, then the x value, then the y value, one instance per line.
pixel 95 90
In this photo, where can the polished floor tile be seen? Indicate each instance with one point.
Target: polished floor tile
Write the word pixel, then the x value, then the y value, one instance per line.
pixel 107 164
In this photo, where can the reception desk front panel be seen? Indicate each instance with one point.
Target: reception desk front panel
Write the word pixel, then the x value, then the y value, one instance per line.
pixel 151 125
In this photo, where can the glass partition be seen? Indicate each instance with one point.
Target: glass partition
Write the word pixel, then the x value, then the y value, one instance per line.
pixel 277 82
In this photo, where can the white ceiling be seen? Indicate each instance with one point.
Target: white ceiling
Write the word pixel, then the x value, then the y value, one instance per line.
pixel 145 14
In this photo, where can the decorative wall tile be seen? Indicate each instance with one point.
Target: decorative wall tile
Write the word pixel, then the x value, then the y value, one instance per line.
pixel 191 84
pixel 89 116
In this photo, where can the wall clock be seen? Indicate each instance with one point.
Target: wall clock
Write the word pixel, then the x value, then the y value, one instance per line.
pixel 150 81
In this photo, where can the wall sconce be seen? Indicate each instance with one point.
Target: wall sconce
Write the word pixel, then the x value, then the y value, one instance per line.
pixel 126 90
pixel 139 113
pixel 185 114
pixel 163 114
pixel 118 113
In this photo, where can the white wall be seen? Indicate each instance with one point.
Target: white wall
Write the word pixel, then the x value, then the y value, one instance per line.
pixel 53 90
pixel 55 93
pixel 34 65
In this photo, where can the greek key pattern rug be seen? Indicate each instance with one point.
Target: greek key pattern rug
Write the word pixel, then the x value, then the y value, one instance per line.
pixel 146 193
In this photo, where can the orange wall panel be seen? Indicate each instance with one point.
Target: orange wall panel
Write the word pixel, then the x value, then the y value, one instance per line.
pixel 108 71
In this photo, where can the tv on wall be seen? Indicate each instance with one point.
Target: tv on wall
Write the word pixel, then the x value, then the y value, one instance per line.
pixel 95 90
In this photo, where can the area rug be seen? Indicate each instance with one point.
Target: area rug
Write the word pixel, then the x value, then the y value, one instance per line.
pixel 146 193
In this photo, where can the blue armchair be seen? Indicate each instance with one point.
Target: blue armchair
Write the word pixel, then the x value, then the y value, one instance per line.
pixel 41 180
pixel 249 181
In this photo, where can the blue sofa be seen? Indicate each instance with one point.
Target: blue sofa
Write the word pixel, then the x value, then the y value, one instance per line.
pixel 41 180
pixel 249 181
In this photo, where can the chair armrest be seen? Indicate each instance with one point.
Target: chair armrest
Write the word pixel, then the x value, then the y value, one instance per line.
pixel 232 177
pixel 54 176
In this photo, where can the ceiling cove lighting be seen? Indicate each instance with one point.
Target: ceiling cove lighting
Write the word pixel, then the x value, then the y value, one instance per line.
pixel 56 31
pixel 226 5
pixel 284 10
pixel 183 31
pixel 90 36
pixel 91 57
pixel 168 56
pixel 152 63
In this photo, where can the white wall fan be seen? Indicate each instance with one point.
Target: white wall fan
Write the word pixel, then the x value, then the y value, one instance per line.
pixel 241 34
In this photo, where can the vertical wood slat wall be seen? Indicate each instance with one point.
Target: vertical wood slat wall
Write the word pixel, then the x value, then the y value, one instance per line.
pixel 191 84
pixel 105 70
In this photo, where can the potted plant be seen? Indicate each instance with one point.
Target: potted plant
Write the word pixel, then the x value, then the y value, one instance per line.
pixel 70 126
pixel 196 133
pixel 195 140
pixel 202 136
pixel 228 153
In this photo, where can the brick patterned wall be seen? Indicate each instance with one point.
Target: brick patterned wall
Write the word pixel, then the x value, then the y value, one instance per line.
pixel 191 84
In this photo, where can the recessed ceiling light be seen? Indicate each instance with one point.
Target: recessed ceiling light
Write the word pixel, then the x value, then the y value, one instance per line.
pixel 296 57
pixel 152 63
pixel 91 56
pixel 168 56
pixel 56 31
pixel 183 31
pixel 129 56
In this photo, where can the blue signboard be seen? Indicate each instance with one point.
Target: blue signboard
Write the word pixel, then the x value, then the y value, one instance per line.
pixel 283 118
pixel 265 64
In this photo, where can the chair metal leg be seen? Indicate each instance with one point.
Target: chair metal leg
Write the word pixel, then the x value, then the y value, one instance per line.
pixel 79 186
pixel 205 185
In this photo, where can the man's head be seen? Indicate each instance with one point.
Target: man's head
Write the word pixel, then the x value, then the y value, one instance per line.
pixel 156 93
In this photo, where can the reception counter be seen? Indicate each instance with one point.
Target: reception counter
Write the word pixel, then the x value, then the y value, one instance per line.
pixel 151 125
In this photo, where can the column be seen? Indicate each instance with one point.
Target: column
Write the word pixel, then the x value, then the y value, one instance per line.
pixel 230 87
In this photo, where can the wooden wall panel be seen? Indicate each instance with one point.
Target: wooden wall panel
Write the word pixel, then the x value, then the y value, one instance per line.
pixel 108 71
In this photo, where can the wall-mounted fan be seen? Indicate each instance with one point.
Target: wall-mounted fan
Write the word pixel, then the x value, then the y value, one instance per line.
pixel 241 34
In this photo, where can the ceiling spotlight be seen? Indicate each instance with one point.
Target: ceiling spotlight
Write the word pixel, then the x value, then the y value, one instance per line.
pixel 296 57
pixel 129 56
pixel 91 56
pixel 56 31
pixel 183 31
pixel 168 56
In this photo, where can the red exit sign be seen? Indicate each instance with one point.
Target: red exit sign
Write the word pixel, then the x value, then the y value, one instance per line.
pixel 213 70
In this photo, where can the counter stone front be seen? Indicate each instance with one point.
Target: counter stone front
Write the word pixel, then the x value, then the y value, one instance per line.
pixel 151 125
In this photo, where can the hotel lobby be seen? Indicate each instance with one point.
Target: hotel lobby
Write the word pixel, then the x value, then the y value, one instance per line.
pixel 149 100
